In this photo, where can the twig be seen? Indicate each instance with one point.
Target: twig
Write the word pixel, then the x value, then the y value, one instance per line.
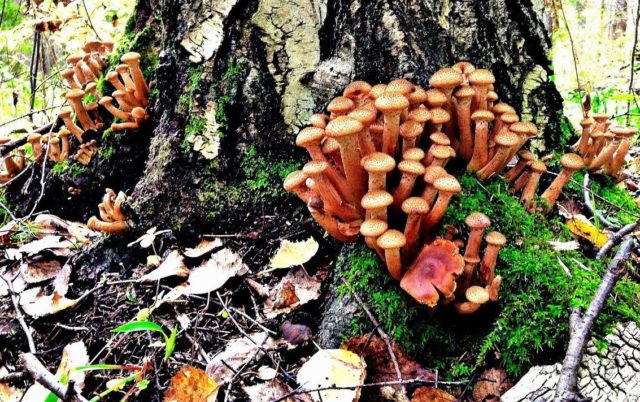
pixel 575 57
pixel 19 315
pixel 581 325
pixel 31 112
pixel 15 376
pixel 11 145
pixel 633 62
pixel 44 377
pixel 89 19
pixel 591 207
pixel 617 237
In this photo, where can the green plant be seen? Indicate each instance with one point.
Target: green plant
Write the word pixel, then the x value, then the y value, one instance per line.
pixel 135 326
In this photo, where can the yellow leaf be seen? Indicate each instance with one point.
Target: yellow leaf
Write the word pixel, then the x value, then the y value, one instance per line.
pixel 333 367
pixel 294 253
pixel 580 226
pixel 191 384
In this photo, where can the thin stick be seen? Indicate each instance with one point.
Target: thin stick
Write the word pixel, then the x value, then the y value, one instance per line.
pixel 19 315
pixel 633 62
pixel 575 57
pixel 31 112
pixel 591 207
pixel 89 19
pixel 617 237
pixel 44 377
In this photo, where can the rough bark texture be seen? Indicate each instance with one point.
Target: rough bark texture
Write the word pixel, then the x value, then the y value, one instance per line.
pixel 610 375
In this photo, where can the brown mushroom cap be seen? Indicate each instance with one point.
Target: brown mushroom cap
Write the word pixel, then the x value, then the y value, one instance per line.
pixel 378 162
pixel 533 129
pixel 600 117
pixel 415 205
pixel 418 95
pixel 138 113
pixel 526 155
pixel 439 116
pixel 330 145
pixel 411 167
pixel 447 184
pixel 420 114
pixel 463 67
pixel 294 180
pixel 436 98
pixel 74 58
pixel 446 78
pixel 572 161
pixel 440 138
pixel 492 96
pixel 376 199
pixel 357 89
pixel 33 137
pixel 431 173
pixel 309 136
pixel 312 168
pixel 509 118
pixel 340 104
pixel 391 103
pixel 373 227
pixel 539 166
pixel 410 129
pixel 399 86
pixel 318 120
pixel 364 115
pixel 477 220
pixel 129 57
pixel 440 151
pixel 343 126
pixel 482 115
pixel 413 154
pixel 519 128
pixel 68 73
pixel 495 238
pixel 477 294
pixel 75 94
pixel 507 139
pixel 465 92
pixel 500 108
pixel 391 239
pixel 377 91
pixel 481 77
pixel 587 121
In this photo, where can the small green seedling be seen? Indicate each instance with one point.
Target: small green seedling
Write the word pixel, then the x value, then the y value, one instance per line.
pixel 135 326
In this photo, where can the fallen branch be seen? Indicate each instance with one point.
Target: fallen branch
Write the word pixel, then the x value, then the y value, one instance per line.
pixel 581 325
pixel 44 377
pixel 587 201
pixel 11 145
pixel 616 238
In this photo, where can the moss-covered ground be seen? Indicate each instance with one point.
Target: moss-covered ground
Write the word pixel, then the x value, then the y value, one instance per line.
pixel 529 325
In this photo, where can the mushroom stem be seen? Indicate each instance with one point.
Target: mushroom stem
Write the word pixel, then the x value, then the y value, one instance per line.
pixel 74 97
pixel 447 187
pixel 519 183
pixel 463 112
pixel 505 141
pixel 415 208
pixel 132 60
pixel 618 158
pixel 604 156
pixel 481 141
pixel 331 225
pixel 537 169
pixel 495 241
pixel 391 242
pixel 333 203
pixel 410 172
pixel 524 159
pixel 107 103
pixel 570 163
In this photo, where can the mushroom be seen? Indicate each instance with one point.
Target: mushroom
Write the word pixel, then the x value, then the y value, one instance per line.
pixel 340 106
pixel 54 150
pixel 399 86
pixel 345 232
pixel 391 242
pixel 439 155
pixel 375 204
pixel 410 131
pixel 331 148
pixel 618 158
pixel 505 141
pixel 107 227
pixel 123 72
pixel 127 125
pixel 64 134
pixel 464 96
pixel 477 222
pixel 121 98
pixel 494 288
pixel 358 92
pixel 333 202
pixel 434 270
pixel 466 307
pixel 91 88
pixel 447 186
pixel 606 154
pixel 36 147
pixel 583 144
pixel 477 295
pixel 319 120
pixel 415 208
pixel 377 91
pixel 570 163
pixel 295 183
pixel 410 172
pixel 132 60
pixel 519 183
pixel 525 158
pixel 481 141
pixel 439 117
pixel 421 115
pixel 495 241
pixel 366 116
pixel 378 165
pixel 417 97
pixel 413 154
pixel 391 105
pixel 69 76
pixel 481 80
pixel 446 79
pixel 537 169
pixel 89 76
pixel 107 103
pixel 73 62
pixel 431 173
pixel 503 123
pixel 437 139
pixel 492 97
pixel 436 98
pixel 465 68
pixel 371 229
pixel 74 96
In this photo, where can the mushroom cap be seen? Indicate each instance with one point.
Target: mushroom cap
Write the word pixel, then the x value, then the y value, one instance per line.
pixel 105 100
pixel 492 96
pixel 294 179
pixel 617 130
pixel 440 138
pixel 330 145
pixel 376 199
pixel 67 73
pixel 91 45
pixel 410 129
pixel 373 227
pixel 447 184
pixel 436 98
pixel 463 67
pixel 477 294
pixel 472 260
pixel 340 104
pixel 482 115
pixel 519 128
pixel 65 112
pixel 509 118
pixel 466 307
pixel 378 162
pixel 435 269
pixel 121 68
pixel 34 137
pixel 90 87
pixel 364 115
pixel 74 58
pixel 572 161
pixel 465 92
pixel 391 239
pixel 118 93
pixel 64 132
pixel 418 95
pixel 500 108
pixel 399 86
pixel 481 77
pixel 313 168
pixel 138 113
pixel 440 152
pixel 539 166
pixel 112 75
pixel 533 129
pixel 415 205
pixel 307 136
pixel 495 239
pixel 419 114
pixel 413 154
pixel 600 117
pixel 446 78
pixel 526 155
pixel 318 120
pixel 587 121
pixel 431 173
pixel 439 116
pixel 507 139
pixel 75 94
pixel 391 103
pixel 596 134
pixel 477 220
pixel 411 167
pixel 357 89
pixel 377 91
pixel 343 126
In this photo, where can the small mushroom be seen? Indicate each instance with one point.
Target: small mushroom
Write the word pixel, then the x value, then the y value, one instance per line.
pixel 413 154
pixel 495 241
pixel 391 106
pixel 107 103
pixel 480 155
pixel 344 232
pixel 334 205
pixel 392 242
pixel 415 208
pixel 464 96
pixel 583 144
pixel 505 141
pixel 75 96
pixel 132 60
pixel 358 92
pixel 371 229
pixel 340 106
pixel 525 158
pixel 107 227
pixel 431 173
pixel 295 183
pixel 536 170
pixel 410 172
pixel 410 131
pixel 366 116
pixel 447 186
pixel 570 163
pixel 378 165
pixel 375 204
pixel 481 80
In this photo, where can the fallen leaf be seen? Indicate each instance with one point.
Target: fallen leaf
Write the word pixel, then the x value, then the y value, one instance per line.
pixel 266 373
pixel 580 226
pixel 486 391
pixel 238 352
pixel 296 334
pixel 294 253
pixel 173 265
pixel 153 260
pixel 36 304
pixel 54 244
pixel 203 248
pixel 34 272
pixel 7 392
pixel 191 384
pixel 215 272
pixel 61 280
pixel 294 290
pixel 431 394
pixel 273 390
pixel 333 367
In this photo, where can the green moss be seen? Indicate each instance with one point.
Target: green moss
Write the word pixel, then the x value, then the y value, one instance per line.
pixel 195 127
pixel 263 177
pixel 4 214
pixel 531 319
pixel 11 14
pixel 185 102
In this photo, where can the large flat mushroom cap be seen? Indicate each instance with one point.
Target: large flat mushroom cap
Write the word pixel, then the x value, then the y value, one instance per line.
pixel 507 139
pixel 446 78
pixel 74 94
pixel 477 294
pixel 343 126
pixel 391 103
pixel 309 136
pixel 520 128
pixel 572 161
pixel 373 227
pixel 376 199
pixel 391 239
pixel 440 138
pixel 378 162
pixel 481 77
pixel 477 220
pixel 533 129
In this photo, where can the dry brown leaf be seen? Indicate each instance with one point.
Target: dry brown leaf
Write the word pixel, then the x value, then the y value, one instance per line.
pixel 203 248
pixel 38 271
pixel 36 304
pixel 294 290
pixel 215 272
pixel 173 265
pixel 237 352
pixel 296 334
pixel 272 390
pixel 52 243
pixel 294 253
pixel 430 394
pixel 333 367
pixel 486 391
pixel 191 384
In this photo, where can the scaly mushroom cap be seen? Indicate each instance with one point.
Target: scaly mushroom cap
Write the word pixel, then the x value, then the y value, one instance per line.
pixel 378 162
pixel 373 227
pixel 357 89
pixel 600 117
pixel 520 128
pixel 533 129
pixel 420 114
pixel 391 239
pixel 538 166
pixel 413 154
pixel 464 67
pixel 440 152
pixel 34 137
pixel 509 118
pixel 318 120
pixel 75 94
pixel 330 145
pixel 482 115
pixel 376 199
pixel 440 138
pixel 507 139
pixel 477 220
pixel 138 113
pixel 572 161
pixel 415 205
pixel 526 155
pixel 343 126
pixel 447 184
pixel 446 78
pixel 617 130
pixel 477 294
pixel 377 91
pixel 294 179
pixel 495 239
pixel 309 136
pixel 492 96
pixel 312 168
pixel 399 86
pixel 410 129
pixel 481 77
pixel 364 115
pixel 74 58
pixel 431 173
pixel 391 103
pixel 501 108
pixel 411 167
pixel 129 57
pixel 418 95
pixel 465 92
pixel 436 98
pixel 435 269
pixel 439 116
pixel 68 73
pixel 340 105
pixel 587 121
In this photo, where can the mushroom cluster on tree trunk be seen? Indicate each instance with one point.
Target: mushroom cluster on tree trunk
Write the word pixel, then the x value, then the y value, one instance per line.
pixel 112 219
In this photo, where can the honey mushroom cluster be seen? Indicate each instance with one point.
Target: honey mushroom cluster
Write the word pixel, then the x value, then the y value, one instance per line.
pixel 112 220
pixel 604 147
pixel 11 164
pixel 370 175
